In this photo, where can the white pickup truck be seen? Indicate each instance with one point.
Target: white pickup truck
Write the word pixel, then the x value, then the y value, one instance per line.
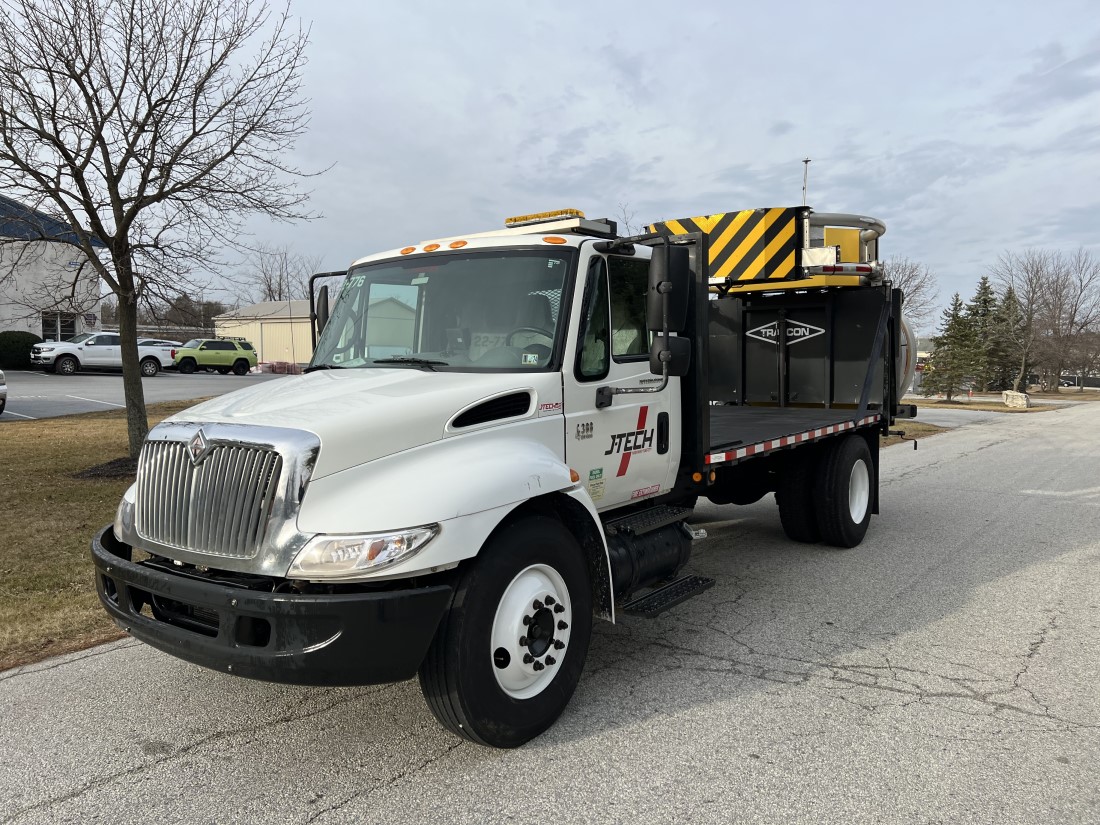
pixel 99 351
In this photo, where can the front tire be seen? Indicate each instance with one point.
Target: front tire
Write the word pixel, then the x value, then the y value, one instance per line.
pixel 187 366
pixel 150 367
pixel 510 649
pixel 844 493
pixel 66 365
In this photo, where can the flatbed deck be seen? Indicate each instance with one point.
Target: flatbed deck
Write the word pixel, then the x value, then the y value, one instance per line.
pixel 738 432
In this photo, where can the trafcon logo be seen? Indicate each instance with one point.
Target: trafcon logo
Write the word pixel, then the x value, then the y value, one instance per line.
pixel 797 331
pixel 638 440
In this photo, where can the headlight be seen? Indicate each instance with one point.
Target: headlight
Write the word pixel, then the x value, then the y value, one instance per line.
pixel 45 349
pixel 124 516
pixel 348 557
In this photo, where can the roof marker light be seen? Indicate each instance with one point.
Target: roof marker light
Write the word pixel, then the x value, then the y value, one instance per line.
pixel 553 239
pixel 432 247
pixel 408 249
pixel 456 244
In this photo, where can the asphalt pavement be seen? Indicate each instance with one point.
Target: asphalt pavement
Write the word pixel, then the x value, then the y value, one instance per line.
pixel 945 671
pixel 36 394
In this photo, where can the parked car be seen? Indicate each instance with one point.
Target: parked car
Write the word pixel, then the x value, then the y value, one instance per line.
pixel 101 350
pixel 221 354
pixel 3 392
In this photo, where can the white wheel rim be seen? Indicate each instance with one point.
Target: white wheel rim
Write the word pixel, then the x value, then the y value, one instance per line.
pixel 859 491
pixel 538 593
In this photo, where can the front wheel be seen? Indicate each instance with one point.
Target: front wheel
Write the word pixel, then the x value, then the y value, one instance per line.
pixel 187 366
pixel 510 650
pixel 66 365
pixel 844 493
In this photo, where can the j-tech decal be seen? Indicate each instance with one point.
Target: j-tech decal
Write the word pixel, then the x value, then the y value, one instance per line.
pixel 796 332
pixel 639 440
pixel 550 408
pixel 646 491
pixel 585 431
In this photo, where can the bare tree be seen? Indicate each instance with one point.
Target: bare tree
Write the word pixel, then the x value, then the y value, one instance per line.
pixel 1025 273
pixel 275 273
pixel 152 129
pixel 918 282
pixel 1070 305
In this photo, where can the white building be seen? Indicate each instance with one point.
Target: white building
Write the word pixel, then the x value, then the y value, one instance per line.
pixel 38 270
pixel 279 330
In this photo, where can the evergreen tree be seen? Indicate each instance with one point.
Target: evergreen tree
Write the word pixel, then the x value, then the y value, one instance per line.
pixel 1007 356
pixel 980 316
pixel 954 353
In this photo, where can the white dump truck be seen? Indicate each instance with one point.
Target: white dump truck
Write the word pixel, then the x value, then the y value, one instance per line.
pixel 501 437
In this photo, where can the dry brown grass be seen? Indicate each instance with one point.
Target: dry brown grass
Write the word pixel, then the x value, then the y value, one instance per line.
pixel 48 603
pixel 912 429
pixel 983 406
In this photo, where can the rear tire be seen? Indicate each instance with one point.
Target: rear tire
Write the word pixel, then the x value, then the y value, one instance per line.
pixel 187 366
pixel 150 367
pixel 795 497
pixel 844 493
pixel 66 365
pixel 475 676
pixel 240 368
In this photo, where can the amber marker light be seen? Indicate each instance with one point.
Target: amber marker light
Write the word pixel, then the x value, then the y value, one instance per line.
pixel 432 247
pixel 456 244
pixel 553 239
pixel 574 476
pixel 408 249
pixel 696 477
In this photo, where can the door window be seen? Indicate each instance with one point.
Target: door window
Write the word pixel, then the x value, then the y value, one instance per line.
pixel 629 278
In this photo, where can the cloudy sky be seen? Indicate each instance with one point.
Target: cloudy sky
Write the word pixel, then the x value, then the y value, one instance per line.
pixel 969 127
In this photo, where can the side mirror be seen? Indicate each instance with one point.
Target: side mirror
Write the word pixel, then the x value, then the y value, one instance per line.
pixel 675 352
pixel 322 308
pixel 669 273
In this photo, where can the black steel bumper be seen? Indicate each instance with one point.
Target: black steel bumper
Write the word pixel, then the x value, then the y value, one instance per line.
pixel 309 639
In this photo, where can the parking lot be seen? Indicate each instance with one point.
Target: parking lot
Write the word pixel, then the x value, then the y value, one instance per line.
pixel 36 394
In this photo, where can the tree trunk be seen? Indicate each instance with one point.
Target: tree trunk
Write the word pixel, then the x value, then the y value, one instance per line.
pixel 136 417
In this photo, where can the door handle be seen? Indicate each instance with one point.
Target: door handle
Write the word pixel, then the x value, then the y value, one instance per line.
pixel 662 433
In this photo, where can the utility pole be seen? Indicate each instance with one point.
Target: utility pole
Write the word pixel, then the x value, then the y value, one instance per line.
pixel 805 177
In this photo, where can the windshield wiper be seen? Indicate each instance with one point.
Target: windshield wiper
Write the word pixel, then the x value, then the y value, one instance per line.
pixel 412 361
pixel 323 367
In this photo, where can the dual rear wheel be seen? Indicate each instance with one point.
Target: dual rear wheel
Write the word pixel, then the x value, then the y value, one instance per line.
pixel 829 499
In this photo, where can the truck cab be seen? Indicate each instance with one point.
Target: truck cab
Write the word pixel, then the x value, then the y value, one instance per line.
pixel 500 437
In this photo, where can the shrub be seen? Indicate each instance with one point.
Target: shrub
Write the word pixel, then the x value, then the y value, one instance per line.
pixel 15 350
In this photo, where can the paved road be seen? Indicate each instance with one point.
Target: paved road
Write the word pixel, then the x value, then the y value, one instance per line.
pixel 37 394
pixel 944 671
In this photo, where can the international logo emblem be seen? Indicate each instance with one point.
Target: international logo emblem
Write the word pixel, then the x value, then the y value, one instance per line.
pixel 198 447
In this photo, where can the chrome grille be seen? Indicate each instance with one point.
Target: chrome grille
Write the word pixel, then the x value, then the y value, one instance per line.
pixel 219 507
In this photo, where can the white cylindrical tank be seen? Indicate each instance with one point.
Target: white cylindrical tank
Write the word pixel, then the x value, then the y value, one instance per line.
pixel 906 365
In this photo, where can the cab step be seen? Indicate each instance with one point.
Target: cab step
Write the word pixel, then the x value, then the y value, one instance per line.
pixel 659 600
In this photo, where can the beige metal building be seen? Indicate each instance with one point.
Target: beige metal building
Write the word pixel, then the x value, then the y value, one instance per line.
pixel 279 330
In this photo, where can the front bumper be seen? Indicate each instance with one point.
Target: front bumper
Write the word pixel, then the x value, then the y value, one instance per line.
pixel 360 638
pixel 42 360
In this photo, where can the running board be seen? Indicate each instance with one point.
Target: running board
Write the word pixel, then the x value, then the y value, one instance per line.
pixel 668 595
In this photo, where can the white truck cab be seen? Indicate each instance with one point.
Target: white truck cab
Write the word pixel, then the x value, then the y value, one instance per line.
pixel 499 437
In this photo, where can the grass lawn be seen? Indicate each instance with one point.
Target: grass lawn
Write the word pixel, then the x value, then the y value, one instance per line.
pixel 980 405
pixel 48 603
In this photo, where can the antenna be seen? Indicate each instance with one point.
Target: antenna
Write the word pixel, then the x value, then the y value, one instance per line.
pixel 805 177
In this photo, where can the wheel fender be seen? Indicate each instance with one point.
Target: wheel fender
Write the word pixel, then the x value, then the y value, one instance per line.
pixel 466 485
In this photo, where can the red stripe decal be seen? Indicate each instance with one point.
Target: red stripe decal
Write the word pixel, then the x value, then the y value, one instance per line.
pixel 642 412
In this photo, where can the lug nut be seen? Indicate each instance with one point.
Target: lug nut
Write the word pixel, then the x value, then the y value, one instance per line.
pixel 550 660
pixel 559 608
pixel 538 666
pixel 526 621
pixel 523 641
pixel 562 625
pixel 558 644
pixel 528 658
pixel 537 605
pixel 549 601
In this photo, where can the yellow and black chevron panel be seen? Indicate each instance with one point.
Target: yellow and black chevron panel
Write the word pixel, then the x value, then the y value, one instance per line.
pixel 751 245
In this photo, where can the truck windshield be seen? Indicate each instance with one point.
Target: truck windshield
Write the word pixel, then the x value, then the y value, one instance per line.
pixel 496 310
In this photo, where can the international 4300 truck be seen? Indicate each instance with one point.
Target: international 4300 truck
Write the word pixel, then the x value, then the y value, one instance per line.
pixel 500 437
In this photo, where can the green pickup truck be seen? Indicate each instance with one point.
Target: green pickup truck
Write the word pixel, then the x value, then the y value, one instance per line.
pixel 221 354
